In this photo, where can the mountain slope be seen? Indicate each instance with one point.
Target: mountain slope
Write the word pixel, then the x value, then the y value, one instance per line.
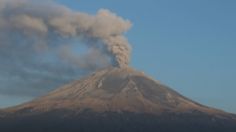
pixel 114 98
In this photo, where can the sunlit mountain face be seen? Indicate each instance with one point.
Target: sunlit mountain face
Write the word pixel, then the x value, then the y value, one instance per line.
pixel 115 100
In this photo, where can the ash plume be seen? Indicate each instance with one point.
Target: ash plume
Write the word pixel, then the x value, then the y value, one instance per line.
pixel 45 42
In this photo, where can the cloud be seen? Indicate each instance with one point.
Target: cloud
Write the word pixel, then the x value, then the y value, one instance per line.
pixel 44 45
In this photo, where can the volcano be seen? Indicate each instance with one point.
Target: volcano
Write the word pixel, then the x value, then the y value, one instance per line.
pixel 115 100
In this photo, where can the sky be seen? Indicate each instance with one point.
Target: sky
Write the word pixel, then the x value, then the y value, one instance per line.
pixel 187 45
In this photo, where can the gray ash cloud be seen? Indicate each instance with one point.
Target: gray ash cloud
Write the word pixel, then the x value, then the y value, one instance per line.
pixel 39 42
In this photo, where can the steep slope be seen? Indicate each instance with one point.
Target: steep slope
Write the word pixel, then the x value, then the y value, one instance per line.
pixel 115 90
pixel 116 99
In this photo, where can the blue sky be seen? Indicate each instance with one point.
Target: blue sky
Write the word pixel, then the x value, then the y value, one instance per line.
pixel 187 45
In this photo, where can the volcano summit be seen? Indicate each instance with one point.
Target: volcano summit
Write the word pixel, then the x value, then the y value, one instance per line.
pixel 115 100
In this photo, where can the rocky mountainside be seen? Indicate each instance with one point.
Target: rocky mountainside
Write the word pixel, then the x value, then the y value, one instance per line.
pixel 115 99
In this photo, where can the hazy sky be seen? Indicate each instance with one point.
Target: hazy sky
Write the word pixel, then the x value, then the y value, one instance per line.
pixel 187 45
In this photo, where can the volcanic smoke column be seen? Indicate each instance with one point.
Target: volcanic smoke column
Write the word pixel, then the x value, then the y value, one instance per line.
pixel 105 28
pixel 119 47
pixel 43 20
